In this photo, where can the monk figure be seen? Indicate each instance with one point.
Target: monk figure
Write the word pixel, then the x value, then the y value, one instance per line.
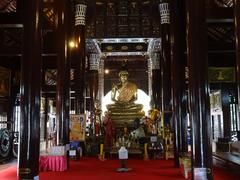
pixel 124 96
pixel 109 131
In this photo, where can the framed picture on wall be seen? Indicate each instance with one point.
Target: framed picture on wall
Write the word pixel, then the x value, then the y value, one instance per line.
pixel 77 127
pixel 221 74
pixel 5 75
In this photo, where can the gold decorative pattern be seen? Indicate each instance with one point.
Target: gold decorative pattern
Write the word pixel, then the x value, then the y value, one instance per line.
pixel 221 74
pixel 124 48
pixel 139 47
pixel 109 48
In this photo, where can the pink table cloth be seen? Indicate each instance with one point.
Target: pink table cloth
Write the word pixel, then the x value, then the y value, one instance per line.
pixel 53 163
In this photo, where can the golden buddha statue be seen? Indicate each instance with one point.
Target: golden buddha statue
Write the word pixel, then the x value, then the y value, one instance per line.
pixel 124 109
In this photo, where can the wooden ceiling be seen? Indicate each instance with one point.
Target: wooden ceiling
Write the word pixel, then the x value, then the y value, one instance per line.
pixel 8 6
pixel 125 19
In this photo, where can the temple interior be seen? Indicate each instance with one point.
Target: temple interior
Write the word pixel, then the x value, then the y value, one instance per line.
pixel 120 79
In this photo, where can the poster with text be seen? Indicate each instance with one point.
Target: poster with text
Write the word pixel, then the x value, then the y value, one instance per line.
pixel 77 127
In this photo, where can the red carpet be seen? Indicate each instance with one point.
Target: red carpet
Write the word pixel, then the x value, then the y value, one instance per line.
pixel 9 173
pixel 220 174
pixel 93 169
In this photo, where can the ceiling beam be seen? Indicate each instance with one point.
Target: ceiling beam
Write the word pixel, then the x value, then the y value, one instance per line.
pixel 11 19
pixel 217 14
pixel 10 51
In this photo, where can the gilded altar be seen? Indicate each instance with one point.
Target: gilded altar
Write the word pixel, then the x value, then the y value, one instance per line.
pixel 131 145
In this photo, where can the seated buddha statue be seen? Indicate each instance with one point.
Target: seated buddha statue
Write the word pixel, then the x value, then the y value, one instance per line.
pixel 124 96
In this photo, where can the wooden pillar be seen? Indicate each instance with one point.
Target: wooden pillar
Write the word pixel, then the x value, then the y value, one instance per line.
pixel 12 97
pixel 237 45
pixel 199 106
pixel 66 117
pixel 30 92
pixel 101 81
pixel 67 75
pixel 45 122
pixel 80 13
pixel 94 61
pixel 156 80
pixel 62 71
pixel 178 58
pixel 226 111
pixel 166 61
pixel 150 85
pixel 20 6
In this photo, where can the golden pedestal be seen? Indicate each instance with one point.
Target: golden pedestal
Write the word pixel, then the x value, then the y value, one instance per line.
pixel 120 119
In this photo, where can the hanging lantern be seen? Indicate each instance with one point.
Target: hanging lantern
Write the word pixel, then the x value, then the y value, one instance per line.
pixel 80 14
pixel 164 13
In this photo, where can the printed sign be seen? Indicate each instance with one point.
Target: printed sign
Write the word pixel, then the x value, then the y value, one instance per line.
pixel 200 173
pixel 77 127
pixel 72 152
pixel 123 153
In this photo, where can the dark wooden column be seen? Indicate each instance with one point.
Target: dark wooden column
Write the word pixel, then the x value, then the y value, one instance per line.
pixel 199 108
pixel 156 80
pixel 166 61
pixel 67 75
pixel 226 111
pixel 20 6
pixel 12 98
pixel 80 13
pixel 45 122
pixel 66 117
pixel 62 70
pixel 94 60
pixel 178 58
pixel 237 45
pixel 30 92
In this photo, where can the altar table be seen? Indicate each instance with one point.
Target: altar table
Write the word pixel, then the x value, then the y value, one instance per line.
pixel 52 163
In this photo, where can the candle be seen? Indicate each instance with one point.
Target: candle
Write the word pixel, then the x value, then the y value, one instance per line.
pixel 145 151
pixel 101 149
pixel 145 148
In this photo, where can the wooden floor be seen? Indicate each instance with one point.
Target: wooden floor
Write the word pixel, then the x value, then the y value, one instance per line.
pixel 227 161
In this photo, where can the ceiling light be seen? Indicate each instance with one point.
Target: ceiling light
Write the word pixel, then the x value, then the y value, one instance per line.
pixel 71 44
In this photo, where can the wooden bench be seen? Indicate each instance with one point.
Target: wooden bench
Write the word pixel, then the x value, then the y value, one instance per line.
pixel 226 160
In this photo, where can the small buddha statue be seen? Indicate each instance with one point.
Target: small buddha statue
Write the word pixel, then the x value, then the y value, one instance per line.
pixel 124 96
